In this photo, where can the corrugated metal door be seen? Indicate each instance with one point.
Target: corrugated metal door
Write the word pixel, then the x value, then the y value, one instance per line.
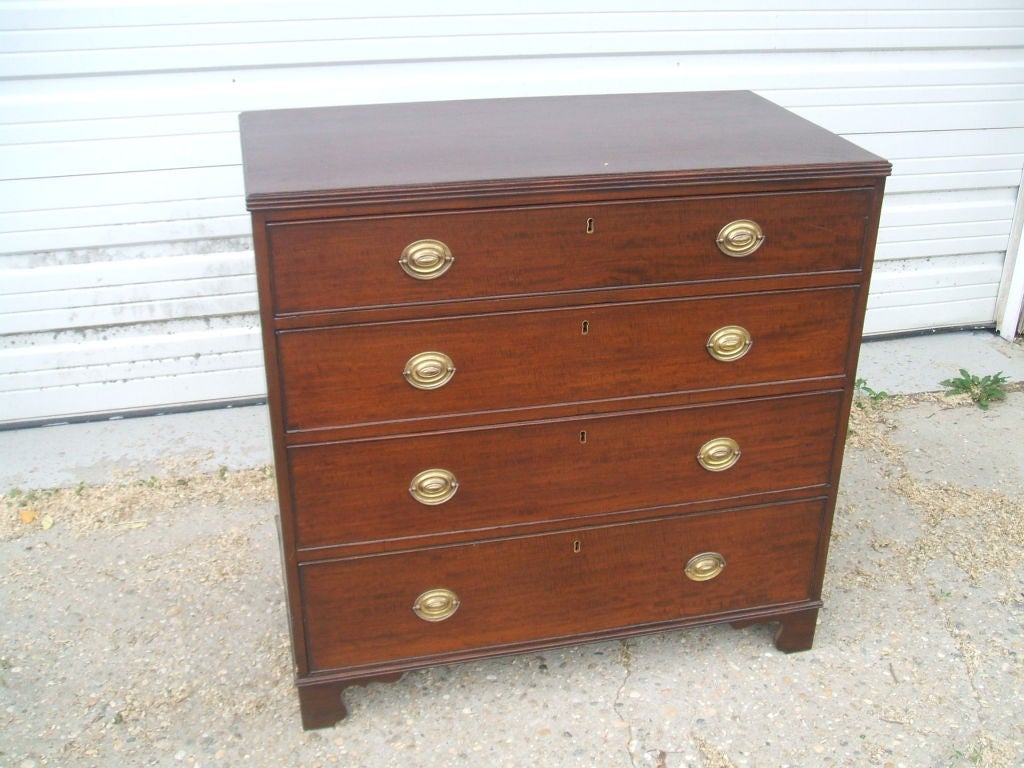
pixel 125 272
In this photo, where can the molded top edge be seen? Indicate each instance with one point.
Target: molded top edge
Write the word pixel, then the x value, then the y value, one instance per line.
pixel 493 146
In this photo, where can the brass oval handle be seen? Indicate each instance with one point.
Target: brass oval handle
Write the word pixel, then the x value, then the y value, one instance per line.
pixel 429 370
pixel 719 454
pixel 426 259
pixel 740 238
pixel 433 486
pixel 728 343
pixel 436 604
pixel 705 566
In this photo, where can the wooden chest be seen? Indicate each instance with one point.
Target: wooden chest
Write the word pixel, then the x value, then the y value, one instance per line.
pixel 551 370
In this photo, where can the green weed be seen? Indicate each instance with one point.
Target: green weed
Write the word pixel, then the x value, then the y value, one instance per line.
pixel 861 388
pixel 981 389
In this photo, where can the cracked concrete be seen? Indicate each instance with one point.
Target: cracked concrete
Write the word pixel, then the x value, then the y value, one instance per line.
pixel 625 661
pixel 160 640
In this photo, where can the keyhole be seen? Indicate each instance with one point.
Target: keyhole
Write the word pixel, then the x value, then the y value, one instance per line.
pixel 590 226
pixel 577 546
pixel 583 436
pixel 585 328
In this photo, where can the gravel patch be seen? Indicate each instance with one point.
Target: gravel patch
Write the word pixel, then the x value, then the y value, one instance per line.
pixel 983 530
pixel 130 502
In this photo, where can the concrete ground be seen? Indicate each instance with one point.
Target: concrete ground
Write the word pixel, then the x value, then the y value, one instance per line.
pixel 142 620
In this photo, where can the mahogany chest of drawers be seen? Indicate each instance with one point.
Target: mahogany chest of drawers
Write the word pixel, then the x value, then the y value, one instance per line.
pixel 551 370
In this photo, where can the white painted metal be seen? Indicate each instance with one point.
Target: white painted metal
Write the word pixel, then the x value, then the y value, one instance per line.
pixel 125 270
pixel 1010 301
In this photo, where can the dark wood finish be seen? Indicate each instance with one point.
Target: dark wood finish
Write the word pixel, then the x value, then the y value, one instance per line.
pixel 521 251
pixel 559 469
pixel 357 611
pixel 546 145
pixel 322 705
pixel 583 388
pixel 795 631
pixel 351 375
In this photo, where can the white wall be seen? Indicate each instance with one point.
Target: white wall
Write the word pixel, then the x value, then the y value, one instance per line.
pixel 125 272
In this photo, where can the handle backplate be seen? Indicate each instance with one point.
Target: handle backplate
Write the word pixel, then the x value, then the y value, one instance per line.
pixel 728 343
pixel 740 238
pixel 705 566
pixel 718 454
pixel 433 486
pixel 436 604
pixel 429 370
pixel 426 259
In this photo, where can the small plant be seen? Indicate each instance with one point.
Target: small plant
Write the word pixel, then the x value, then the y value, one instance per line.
pixel 862 388
pixel 981 389
pixel 20 498
pixel 957 757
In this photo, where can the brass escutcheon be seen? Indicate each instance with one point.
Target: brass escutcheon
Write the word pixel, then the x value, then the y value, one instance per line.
pixel 740 238
pixel 429 370
pixel 705 566
pixel 433 486
pixel 719 454
pixel 426 259
pixel 436 604
pixel 728 343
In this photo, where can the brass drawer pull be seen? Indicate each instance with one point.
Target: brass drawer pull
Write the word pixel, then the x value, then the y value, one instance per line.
pixel 433 486
pixel 429 370
pixel 705 566
pixel 436 604
pixel 740 238
pixel 719 454
pixel 426 259
pixel 728 343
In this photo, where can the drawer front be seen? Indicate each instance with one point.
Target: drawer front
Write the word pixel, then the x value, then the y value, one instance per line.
pixel 357 374
pixel 348 263
pixel 489 478
pixel 361 611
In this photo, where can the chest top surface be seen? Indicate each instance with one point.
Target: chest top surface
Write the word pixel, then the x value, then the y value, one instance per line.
pixel 334 154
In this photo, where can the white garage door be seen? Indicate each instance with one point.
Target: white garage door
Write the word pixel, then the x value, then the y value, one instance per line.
pixel 125 267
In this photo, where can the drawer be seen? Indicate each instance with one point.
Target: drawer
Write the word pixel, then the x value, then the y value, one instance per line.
pixel 503 361
pixel 347 263
pixel 536 588
pixel 502 476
